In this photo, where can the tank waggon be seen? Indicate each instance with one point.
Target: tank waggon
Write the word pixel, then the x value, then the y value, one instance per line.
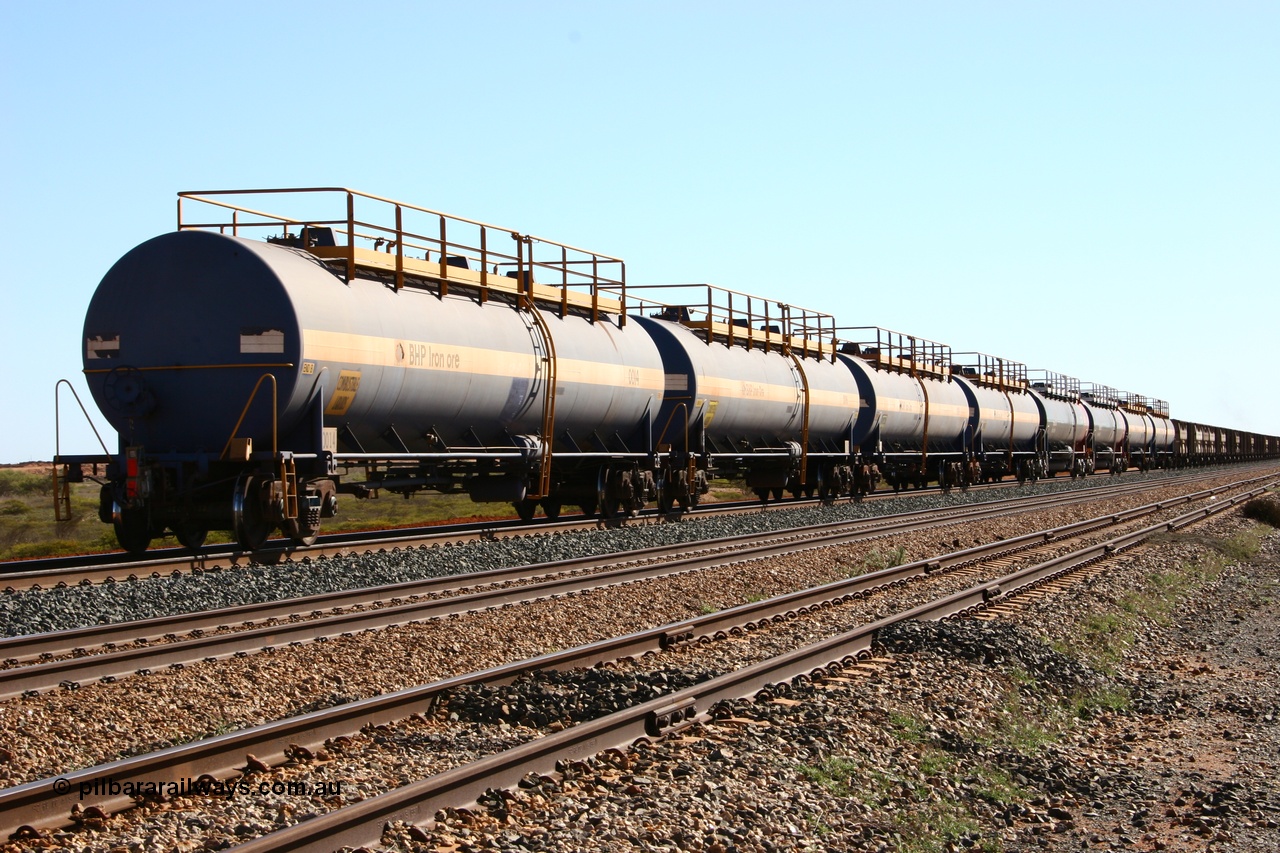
pixel 1065 423
pixel 1150 432
pixel 1008 419
pixel 1163 440
pixel 441 364
pixel 1137 450
pixel 1108 430
pixel 913 421
pixel 748 395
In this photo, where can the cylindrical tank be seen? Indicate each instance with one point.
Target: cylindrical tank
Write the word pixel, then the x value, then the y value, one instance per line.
pixel 1108 428
pixel 742 397
pixel 1140 432
pixel 893 407
pixel 392 367
pixel 1066 425
pixel 1005 420
pixel 1162 434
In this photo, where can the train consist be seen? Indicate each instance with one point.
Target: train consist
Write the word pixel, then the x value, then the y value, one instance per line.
pixel 257 366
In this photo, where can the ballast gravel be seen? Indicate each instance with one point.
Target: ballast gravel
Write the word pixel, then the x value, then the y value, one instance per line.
pixel 39 611
pixel 63 730
pixel 592 809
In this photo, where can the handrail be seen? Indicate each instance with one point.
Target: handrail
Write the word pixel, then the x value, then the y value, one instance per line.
pixel 735 318
pixel 57 423
pixel 663 434
pixel 245 411
pixel 890 350
pixel 573 266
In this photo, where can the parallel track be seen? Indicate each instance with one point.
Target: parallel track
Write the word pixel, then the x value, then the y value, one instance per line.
pixel 38 805
pixel 362 823
pixel 119 567
pixel 544 581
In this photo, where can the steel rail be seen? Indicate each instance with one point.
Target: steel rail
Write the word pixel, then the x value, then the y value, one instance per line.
pixel 78 640
pixel 118 567
pixel 165 625
pixel 47 803
pixel 362 823
pixel 112 665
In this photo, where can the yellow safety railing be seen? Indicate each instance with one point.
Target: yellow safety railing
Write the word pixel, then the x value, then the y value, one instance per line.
pixel 404 240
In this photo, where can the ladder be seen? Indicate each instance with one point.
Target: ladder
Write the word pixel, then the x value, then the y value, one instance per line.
pixel 61 492
pixel 289 483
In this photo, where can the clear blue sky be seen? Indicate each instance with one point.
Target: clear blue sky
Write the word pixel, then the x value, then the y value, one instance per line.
pixel 1090 188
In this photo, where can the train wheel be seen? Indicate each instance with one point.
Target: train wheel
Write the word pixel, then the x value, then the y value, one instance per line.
pixel 252 526
pixel 302 532
pixel 525 509
pixel 190 536
pixel 589 507
pixel 133 531
pixel 307 538
pixel 551 509
pixel 777 494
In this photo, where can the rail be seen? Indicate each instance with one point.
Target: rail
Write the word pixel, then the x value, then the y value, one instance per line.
pixel 362 823
pixel 992 371
pixel 560 578
pixel 44 804
pixel 738 319
pixel 408 242
pixel 61 471
pixel 894 351
pixel 1056 386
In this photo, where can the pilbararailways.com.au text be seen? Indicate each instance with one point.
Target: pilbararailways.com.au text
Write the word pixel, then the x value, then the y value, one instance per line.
pixel 202 787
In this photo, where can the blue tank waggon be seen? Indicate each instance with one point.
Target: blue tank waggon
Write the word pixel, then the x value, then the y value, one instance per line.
pixel 915 422
pixel 752 390
pixel 1009 422
pixel 1066 423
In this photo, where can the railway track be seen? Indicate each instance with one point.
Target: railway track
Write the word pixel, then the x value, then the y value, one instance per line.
pixel 62 659
pixel 32 805
pixel 363 823
pixel 120 567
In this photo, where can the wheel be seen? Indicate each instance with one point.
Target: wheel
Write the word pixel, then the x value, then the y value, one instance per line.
pixel 763 495
pixel 551 509
pixel 589 507
pixel 190 535
pixel 252 526
pixel 133 531
pixel 301 531
pixel 525 509
pixel 306 538
pixel 777 494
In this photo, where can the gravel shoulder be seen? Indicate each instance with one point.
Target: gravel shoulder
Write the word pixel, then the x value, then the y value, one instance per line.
pixel 1064 727
pixel 1158 734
